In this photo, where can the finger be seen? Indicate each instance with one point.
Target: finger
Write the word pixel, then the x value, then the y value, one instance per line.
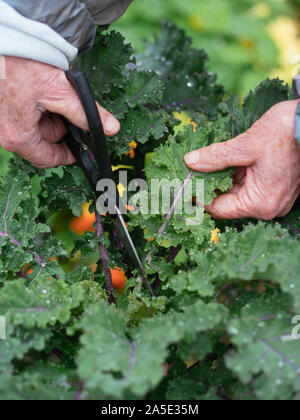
pixel 43 154
pixel 286 210
pixel 240 176
pixel 65 101
pixel 235 189
pixel 227 206
pixel 218 156
pixel 52 129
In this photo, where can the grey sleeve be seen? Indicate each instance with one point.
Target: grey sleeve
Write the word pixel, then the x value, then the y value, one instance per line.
pixel 74 20
pixel 69 18
pixel 107 11
pixel 26 38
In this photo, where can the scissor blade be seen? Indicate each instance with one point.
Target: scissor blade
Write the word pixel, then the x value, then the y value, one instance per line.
pixel 126 239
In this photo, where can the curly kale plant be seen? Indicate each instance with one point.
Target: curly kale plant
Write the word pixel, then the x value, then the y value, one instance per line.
pixel 220 323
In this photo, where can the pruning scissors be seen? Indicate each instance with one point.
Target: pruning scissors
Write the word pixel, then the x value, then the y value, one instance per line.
pixel 88 147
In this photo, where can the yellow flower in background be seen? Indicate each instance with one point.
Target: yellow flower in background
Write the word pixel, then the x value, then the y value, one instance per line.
pixel 197 23
pixel 133 145
pixel 284 32
pixel 191 361
pixel 262 10
pixel 185 120
pixel 247 43
pixel 215 239
pixel 118 167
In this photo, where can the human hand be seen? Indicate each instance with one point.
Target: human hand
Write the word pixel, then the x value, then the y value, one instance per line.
pixel 267 158
pixel 31 97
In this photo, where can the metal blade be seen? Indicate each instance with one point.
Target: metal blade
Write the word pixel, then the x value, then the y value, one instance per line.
pixel 126 239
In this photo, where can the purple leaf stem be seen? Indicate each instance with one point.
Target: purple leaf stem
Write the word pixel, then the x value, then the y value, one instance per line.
pixel 19 245
pixel 104 260
pixel 173 254
pixel 175 202
pixel 79 391
pixel 118 240
pixel 170 214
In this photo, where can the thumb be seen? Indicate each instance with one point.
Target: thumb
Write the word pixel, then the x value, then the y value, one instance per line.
pixel 218 156
pixel 63 100
pixel 228 206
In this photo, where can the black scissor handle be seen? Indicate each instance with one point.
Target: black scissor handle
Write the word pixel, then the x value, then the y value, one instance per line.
pixel 76 140
pixel 80 83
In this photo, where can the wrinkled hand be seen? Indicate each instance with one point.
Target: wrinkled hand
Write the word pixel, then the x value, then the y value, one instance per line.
pixel 267 158
pixel 30 96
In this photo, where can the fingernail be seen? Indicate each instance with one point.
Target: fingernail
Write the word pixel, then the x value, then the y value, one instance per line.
pixel 111 125
pixel 192 157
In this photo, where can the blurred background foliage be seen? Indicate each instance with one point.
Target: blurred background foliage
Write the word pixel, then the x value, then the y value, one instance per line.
pixel 246 40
